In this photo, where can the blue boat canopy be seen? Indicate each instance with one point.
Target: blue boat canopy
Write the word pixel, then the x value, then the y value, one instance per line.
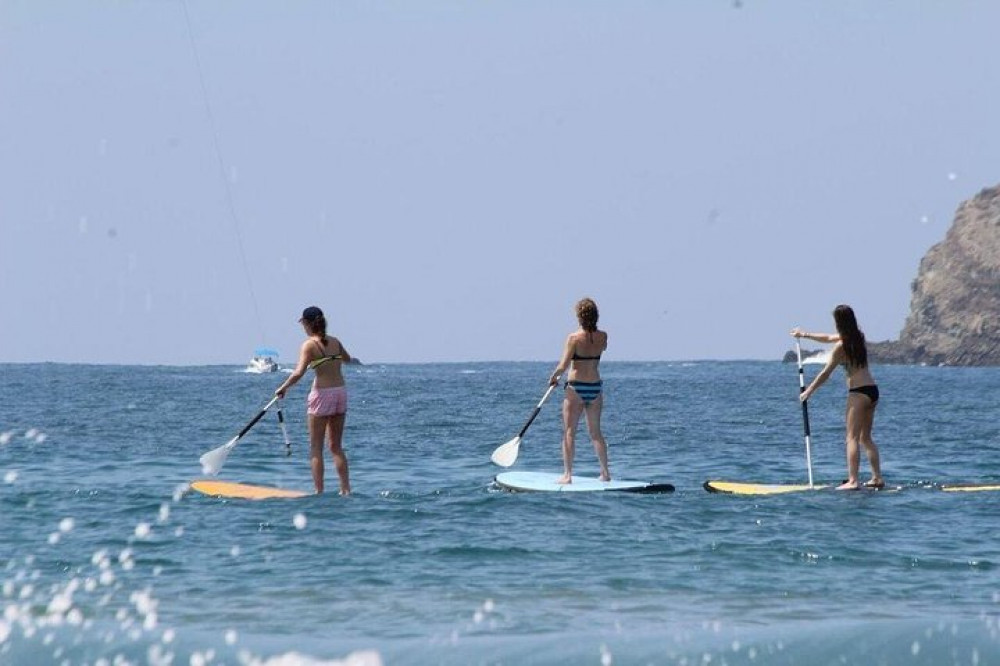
pixel 265 351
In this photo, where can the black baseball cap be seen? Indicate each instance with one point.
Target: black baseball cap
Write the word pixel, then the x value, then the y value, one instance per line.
pixel 311 313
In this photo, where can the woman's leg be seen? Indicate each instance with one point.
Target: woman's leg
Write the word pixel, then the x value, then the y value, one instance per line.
pixel 867 420
pixel 335 429
pixel 855 408
pixel 572 407
pixel 317 425
pixel 593 412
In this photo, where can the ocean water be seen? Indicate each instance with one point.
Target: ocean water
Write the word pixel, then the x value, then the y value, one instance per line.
pixel 106 559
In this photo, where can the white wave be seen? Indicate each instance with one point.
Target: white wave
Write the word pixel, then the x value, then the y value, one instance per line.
pixel 819 358
pixel 360 658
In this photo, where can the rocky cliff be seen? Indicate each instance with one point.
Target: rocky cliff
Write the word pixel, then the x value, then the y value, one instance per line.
pixel 955 305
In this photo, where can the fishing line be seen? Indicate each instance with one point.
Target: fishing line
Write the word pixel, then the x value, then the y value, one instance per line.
pixel 222 169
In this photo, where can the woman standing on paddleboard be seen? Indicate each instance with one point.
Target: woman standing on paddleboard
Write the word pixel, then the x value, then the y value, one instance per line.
pixel 582 355
pixel 327 401
pixel 862 392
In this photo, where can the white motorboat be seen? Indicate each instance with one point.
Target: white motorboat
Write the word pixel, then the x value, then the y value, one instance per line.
pixel 264 360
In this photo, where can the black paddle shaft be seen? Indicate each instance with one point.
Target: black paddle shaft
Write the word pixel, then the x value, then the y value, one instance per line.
pixel 805 409
pixel 253 422
pixel 530 419
pixel 805 416
pixel 538 408
pixel 281 422
pixel 805 403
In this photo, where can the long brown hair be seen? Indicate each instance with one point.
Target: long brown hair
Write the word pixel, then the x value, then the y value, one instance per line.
pixel 851 336
pixel 587 315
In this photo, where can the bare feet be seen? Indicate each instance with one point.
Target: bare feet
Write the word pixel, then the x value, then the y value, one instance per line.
pixel 875 482
pixel 848 485
pixel 565 478
pixel 605 477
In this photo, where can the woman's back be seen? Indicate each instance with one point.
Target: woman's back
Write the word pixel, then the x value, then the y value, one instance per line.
pixel 587 349
pixel 327 358
pixel 857 375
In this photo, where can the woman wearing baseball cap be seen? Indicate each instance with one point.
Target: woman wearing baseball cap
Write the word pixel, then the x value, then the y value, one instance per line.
pixel 327 401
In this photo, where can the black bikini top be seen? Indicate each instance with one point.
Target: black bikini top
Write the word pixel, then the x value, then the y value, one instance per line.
pixel 578 357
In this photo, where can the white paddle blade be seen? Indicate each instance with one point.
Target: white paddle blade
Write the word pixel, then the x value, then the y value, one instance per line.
pixel 505 455
pixel 213 461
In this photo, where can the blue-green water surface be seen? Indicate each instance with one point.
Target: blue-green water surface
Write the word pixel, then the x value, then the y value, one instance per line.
pixel 104 556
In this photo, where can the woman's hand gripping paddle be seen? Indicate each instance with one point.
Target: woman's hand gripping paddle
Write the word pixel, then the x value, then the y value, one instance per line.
pixel 506 454
pixel 213 461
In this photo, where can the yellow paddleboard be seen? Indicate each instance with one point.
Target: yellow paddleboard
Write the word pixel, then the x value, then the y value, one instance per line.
pixel 242 490
pixel 969 487
pixel 734 488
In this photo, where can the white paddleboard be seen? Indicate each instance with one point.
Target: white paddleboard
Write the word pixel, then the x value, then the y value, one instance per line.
pixel 546 482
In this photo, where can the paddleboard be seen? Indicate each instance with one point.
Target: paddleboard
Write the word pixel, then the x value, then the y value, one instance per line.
pixel 546 482
pixel 969 487
pixel 243 490
pixel 735 488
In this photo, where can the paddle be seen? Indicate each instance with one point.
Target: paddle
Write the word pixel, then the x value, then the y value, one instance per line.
pixel 213 461
pixel 284 431
pixel 506 454
pixel 805 410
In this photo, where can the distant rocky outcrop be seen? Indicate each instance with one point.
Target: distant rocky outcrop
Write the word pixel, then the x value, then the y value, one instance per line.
pixel 955 305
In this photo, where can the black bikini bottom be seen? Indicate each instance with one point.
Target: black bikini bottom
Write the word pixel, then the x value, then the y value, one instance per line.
pixel 871 391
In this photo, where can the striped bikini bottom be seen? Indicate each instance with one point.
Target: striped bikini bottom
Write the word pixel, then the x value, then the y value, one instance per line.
pixel 588 391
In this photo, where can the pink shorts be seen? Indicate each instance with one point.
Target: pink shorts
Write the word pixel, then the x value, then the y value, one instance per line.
pixel 327 401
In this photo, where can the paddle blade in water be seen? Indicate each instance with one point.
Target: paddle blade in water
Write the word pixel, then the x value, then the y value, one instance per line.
pixel 213 461
pixel 506 454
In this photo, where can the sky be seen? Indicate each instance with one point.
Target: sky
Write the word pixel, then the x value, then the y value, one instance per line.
pixel 180 178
